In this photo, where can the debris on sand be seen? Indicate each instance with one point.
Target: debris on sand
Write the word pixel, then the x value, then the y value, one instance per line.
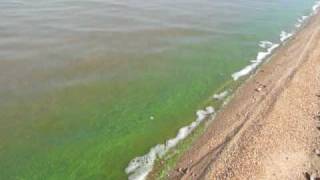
pixel 258 89
pixel 311 177
pixel 183 170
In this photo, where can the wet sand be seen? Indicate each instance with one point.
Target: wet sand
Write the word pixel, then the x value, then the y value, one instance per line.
pixel 269 130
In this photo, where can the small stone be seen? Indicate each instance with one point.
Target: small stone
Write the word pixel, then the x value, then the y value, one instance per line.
pixel 311 177
pixel 314 177
pixel 258 89
pixel 183 170
pixel 317 151
pixel 307 175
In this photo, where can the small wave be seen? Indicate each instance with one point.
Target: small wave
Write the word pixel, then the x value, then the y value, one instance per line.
pixel 284 36
pixel 260 57
pixel 271 46
pixel 265 44
pixel 221 95
pixel 316 7
pixel 140 167
pixel 301 20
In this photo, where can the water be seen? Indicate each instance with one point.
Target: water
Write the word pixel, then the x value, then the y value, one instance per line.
pixel 86 86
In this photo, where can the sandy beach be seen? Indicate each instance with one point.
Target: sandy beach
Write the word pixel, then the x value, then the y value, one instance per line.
pixel 270 128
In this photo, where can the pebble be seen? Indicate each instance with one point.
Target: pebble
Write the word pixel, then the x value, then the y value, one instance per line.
pixel 183 170
pixel 314 177
pixel 258 89
pixel 311 177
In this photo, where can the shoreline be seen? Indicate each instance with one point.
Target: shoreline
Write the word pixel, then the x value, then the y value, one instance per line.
pixel 235 143
pixel 152 163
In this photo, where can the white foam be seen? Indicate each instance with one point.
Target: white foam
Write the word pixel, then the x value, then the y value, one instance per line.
pixel 284 36
pixel 265 44
pixel 227 100
pixel 260 57
pixel 221 95
pixel 140 167
pixel 315 7
pixel 301 20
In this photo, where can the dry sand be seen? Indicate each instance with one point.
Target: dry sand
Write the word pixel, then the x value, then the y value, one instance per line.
pixel 269 129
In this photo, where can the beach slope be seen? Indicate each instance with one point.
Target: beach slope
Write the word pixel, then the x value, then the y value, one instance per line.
pixel 269 130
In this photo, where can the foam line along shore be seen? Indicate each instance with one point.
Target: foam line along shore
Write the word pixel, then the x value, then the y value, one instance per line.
pixel 139 167
pixel 270 129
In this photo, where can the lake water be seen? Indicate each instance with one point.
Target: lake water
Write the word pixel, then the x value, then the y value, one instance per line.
pixel 88 85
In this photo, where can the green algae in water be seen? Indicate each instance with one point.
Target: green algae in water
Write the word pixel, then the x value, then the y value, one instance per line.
pixel 78 92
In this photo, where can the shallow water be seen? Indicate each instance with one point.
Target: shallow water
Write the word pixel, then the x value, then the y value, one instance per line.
pixel 86 86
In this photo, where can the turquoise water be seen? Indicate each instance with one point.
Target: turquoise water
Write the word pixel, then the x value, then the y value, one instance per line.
pixel 86 86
